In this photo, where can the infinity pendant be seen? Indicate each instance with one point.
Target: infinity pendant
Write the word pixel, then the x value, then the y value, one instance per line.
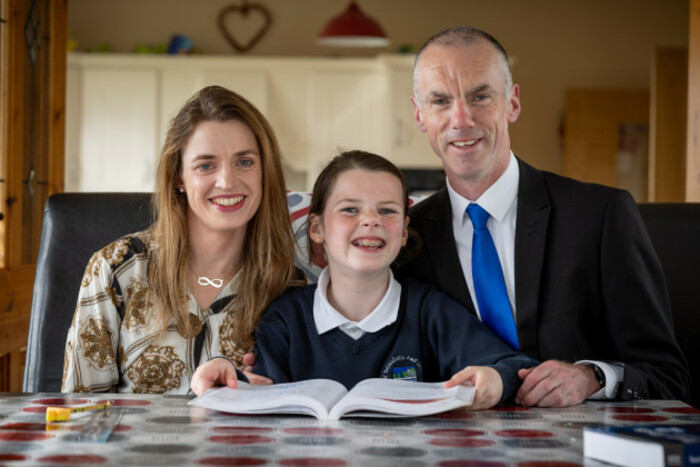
pixel 216 283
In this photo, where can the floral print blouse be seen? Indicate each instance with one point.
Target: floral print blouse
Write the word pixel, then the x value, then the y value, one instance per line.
pixel 114 343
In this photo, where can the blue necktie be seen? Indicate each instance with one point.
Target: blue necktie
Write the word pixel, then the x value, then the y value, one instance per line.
pixel 489 285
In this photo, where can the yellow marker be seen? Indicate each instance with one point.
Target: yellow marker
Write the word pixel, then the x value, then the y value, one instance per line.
pixel 62 414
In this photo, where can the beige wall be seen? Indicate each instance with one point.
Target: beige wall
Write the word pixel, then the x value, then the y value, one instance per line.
pixel 556 44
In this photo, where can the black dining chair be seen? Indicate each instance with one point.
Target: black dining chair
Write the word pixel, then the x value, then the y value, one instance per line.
pixel 674 229
pixel 75 226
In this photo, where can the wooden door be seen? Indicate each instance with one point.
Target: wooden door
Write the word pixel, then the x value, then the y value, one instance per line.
pixel 606 138
pixel 668 125
pixel 32 116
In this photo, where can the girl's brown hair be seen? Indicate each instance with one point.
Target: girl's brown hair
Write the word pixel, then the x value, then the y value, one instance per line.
pixel 268 251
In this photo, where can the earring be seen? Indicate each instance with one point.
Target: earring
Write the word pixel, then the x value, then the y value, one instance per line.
pixel 181 190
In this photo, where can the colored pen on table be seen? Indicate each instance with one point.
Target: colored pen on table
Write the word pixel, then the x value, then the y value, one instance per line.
pixel 62 414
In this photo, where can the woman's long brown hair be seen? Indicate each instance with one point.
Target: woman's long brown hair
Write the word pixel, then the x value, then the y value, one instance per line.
pixel 268 250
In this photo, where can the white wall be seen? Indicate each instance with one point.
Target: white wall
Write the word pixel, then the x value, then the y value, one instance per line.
pixel 557 44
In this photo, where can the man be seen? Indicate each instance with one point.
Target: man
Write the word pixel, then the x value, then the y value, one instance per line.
pixel 581 277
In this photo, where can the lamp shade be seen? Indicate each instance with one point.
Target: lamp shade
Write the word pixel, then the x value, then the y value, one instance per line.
pixel 353 28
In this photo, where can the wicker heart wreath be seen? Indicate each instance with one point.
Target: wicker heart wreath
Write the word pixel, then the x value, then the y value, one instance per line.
pixel 244 10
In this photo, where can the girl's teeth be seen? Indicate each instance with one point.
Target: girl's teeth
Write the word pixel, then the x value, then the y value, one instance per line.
pixel 370 243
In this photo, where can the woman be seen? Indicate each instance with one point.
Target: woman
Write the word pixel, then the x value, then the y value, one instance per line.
pixel 154 304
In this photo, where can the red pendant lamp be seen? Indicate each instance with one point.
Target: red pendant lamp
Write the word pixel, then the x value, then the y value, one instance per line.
pixel 353 29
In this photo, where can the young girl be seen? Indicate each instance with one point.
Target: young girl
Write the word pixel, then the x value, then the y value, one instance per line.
pixel 359 322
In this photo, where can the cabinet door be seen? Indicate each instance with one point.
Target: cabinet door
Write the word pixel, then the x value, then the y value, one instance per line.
pixel 409 147
pixel 119 128
pixel 349 113
pixel 179 84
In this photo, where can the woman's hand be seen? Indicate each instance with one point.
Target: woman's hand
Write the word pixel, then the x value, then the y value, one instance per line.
pixel 216 372
pixel 487 383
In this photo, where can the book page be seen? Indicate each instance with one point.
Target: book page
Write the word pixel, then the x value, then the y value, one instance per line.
pixel 400 389
pixel 312 397
pixel 404 398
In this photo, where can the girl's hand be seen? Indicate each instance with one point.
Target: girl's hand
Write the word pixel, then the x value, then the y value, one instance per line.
pixel 248 364
pixel 216 372
pixel 487 383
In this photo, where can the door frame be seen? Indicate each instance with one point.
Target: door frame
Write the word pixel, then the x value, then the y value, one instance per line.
pixel 17 275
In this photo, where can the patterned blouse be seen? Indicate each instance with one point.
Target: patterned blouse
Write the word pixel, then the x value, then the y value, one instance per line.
pixel 114 343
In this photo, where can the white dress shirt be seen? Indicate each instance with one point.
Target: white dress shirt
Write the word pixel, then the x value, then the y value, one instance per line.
pixel 500 200
pixel 327 318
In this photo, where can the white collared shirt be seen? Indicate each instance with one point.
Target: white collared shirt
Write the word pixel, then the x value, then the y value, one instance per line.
pixel 500 201
pixel 327 318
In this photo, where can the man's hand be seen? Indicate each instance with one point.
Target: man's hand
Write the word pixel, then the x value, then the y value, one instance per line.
pixel 215 372
pixel 556 384
pixel 248 364
pixel 487 383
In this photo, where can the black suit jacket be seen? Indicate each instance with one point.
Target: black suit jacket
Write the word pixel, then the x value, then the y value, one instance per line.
pixel 588 284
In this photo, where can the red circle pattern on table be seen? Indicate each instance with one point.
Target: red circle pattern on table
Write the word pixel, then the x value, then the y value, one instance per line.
pixel 76 459
pixel 241 439
pixel 12 457
pixel 25 436
pixel 682 410
pixel 59 401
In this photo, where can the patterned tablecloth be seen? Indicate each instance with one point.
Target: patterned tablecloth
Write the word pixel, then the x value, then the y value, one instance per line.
pixel 162 430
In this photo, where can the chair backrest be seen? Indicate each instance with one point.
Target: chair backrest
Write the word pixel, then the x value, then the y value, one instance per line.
pixel 75 226
pixel 674 229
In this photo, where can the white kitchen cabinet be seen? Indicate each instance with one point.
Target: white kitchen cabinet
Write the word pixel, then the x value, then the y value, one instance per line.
pixel 407 147
pixel 119 106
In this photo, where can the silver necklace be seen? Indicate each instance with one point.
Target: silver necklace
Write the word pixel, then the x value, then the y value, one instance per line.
pixel 204 281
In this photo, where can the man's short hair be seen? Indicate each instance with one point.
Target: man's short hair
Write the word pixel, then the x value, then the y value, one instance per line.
pixel 460 36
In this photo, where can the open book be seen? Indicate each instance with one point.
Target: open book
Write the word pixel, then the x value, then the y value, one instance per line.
pixel 327 399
